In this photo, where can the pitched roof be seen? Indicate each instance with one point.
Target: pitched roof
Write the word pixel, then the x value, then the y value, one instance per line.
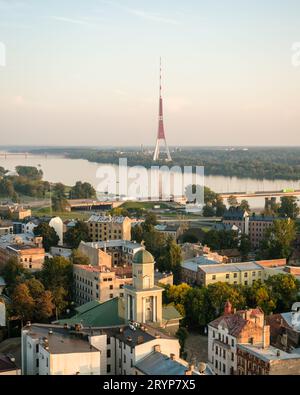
pixel 157 363
pixel 236 322
pixel 96 314
pixel 170 313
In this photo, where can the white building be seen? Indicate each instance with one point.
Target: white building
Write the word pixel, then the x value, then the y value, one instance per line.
pixel 60 350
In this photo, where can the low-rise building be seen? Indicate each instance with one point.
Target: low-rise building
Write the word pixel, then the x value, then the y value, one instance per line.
pixel 6 227
pixel 54 222
pixel 170 230
pixel 14 211
pixel 61 350
pixel 228 331
pixel 27 249
pixel 257 359
pixel 106 227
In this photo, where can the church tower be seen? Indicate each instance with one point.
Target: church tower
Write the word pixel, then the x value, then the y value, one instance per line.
pixel 143 300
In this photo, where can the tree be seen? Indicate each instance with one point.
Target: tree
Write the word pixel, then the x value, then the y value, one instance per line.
pixel 244 205
pixel 50 237
pixel 170 258
pixel 219 293
pixel 137 233
pixel 78 258
pixel 76 234
pixel 278 240
pixel 232 201
pixel 176 295
pixel 284 289
pixel 44 307
pixel 244 246
pixel 289 207
pixel 197 312
pixel 220 207
pixel 82 190
pixel 208 211
pixel 22 302
pixel 59 201
pixel 57 277
pixel 150 219
pixel 182 334
pixel 36 288
pixel 30 172
pixel 12 273
pixel 259 295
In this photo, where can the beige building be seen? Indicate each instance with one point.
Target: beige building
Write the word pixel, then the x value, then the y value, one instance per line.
pixel 26 249
pixel 99 283
pixel 120 252
pixel 231 329
pixel 143 299
pixel 15 211
pixel 103 228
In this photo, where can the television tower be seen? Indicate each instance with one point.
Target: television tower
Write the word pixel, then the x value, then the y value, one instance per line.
pixel 161 138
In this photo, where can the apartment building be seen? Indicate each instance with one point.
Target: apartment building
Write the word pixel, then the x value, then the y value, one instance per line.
pixel 99 282
pixel 231 329
pixel 103 228
pixel 120 251
pixel 253 225
pixel 26 249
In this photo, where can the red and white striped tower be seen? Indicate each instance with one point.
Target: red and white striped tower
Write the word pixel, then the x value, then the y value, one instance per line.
pixel 161 138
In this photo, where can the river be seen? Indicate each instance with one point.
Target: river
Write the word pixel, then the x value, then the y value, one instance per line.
pixel 68 171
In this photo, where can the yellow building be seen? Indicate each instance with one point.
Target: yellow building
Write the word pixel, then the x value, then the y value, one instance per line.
pixel 143 299
pixel 103 228
pixel 244 273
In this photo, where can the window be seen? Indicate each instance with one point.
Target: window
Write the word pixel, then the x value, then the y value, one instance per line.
pixel 235 275
pixel 224 368
pixel 124 358
pixel 214 334
pixel 108 368
pixel 37 363
pixel 111 287
pixel 108 353
pixel 37 348
pixel 227 276
pixel 213 277
pixel 245 274
pixel 224 354
pixel 232 342
pixel 245 282
pixel 232 356
pixel 111 295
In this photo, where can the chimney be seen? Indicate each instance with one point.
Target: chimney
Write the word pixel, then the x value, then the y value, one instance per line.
pixel 228 308
pixel 266 336
pixel 157 348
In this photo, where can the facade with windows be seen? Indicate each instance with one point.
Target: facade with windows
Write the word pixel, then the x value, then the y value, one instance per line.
pixel 228 331
pixel 98 283
pixel 104 228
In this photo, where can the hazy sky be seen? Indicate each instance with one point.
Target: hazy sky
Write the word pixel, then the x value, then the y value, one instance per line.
pixel 85 72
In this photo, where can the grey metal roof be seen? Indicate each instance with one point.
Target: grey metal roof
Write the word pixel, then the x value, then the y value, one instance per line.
pixel 225 267
pixel 160 364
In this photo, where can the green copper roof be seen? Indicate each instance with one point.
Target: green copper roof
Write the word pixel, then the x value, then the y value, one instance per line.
pixel 143 256
pixel 170 313
pixel 98 314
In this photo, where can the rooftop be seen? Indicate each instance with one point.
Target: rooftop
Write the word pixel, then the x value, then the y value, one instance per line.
pixel 107 219
pixel 113 244
pixel 60 340
pixel 267 354
pixel 98 314
pixel 6 363
pixel 157 363
pixel 194 263
pixel 230 267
